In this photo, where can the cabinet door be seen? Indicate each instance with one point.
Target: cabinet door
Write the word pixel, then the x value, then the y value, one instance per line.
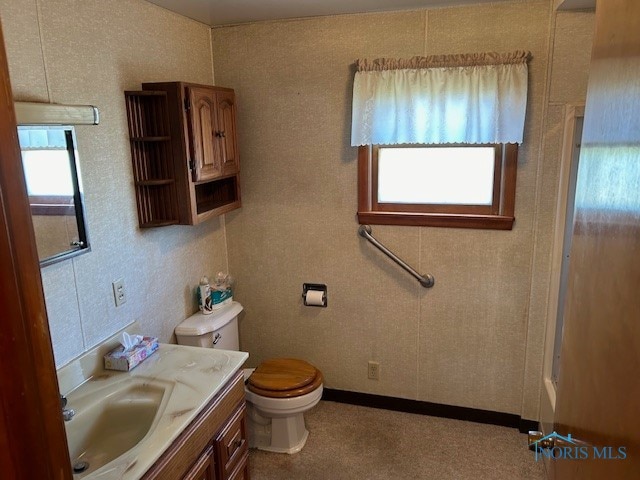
pixel 206 157
pixel 226 132
pixel 203 468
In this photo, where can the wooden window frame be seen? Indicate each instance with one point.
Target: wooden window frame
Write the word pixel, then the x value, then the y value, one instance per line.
pixel 498 216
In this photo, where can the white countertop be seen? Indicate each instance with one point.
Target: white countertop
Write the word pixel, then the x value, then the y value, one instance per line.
pixel 194 376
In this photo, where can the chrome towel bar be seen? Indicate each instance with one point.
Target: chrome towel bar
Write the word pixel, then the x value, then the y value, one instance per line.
pixel 426 280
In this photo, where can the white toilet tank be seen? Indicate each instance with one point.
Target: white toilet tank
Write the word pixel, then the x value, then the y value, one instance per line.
pixel 215 330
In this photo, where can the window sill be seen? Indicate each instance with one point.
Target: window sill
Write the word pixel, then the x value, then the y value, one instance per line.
pixel 448 220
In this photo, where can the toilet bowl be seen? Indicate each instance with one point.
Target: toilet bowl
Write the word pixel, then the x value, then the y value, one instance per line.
pixel 278 391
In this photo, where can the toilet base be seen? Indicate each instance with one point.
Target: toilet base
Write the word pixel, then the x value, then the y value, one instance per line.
pixel 279 435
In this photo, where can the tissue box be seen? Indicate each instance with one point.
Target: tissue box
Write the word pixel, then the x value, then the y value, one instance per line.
pixel 220 298
pixel 119 359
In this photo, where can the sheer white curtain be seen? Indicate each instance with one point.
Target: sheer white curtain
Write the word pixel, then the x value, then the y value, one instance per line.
pixel 475 98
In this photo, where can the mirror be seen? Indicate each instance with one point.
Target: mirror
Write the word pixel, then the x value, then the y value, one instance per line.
pixel 50 163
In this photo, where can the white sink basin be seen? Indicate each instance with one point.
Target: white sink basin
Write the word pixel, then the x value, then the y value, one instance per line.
pixel 112 420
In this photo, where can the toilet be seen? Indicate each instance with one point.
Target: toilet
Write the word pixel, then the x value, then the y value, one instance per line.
pixel 278 391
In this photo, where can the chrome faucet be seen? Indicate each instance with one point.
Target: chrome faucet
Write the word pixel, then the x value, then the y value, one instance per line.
pixel 67 413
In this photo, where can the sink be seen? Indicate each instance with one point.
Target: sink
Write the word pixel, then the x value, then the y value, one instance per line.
pixel 125 421
pixel 113 419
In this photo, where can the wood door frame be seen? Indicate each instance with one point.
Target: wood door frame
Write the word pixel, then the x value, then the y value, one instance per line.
pixel 32 440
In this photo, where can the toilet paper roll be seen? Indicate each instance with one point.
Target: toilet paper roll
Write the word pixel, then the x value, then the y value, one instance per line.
pixel 314 297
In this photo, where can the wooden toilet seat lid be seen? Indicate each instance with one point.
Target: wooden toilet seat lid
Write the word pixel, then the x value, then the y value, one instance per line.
pixel 284 377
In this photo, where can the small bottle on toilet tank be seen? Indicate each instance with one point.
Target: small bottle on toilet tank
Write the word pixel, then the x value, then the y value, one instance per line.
pixel 204 296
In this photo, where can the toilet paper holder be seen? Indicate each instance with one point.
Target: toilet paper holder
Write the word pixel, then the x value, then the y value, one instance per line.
pixel 314 287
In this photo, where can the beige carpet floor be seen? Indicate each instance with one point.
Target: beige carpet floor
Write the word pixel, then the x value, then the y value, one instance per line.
pixel 352 443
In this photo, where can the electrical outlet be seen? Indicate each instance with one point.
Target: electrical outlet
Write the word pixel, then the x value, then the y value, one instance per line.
pixel 374 371
pixel 119 294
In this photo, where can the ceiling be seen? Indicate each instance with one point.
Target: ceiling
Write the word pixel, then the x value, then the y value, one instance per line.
pixel 226 12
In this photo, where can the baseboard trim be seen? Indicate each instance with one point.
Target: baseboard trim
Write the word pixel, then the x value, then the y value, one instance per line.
pixel 526 425
pixel 429 408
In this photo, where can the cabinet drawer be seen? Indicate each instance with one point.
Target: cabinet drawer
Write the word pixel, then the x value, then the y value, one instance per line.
pixel 231 443
pixel 242 469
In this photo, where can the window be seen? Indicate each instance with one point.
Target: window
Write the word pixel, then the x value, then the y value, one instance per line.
pixel 48 177
pixel 438 138
pixel 467 186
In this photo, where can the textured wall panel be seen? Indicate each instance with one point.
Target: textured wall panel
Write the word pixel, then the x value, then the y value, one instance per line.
pixel 571 56
pixel 24 50
pixel 474 328
pixel 465 341
pixel 93 51
pixel 473 340
pixel 298 218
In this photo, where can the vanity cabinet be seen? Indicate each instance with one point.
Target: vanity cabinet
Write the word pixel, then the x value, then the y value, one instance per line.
pixel 184 150
pixel 214 445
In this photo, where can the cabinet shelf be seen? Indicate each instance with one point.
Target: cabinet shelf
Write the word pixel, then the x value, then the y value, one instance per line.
pixel 151 158
pixel 151 139
pixel 213 195
pixel 155 183
pixel 159 223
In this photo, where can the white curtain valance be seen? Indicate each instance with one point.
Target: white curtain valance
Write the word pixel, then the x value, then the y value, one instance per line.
pixel 474 98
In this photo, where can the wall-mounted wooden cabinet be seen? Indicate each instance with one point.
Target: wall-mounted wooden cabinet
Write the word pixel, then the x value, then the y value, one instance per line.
pixel 184 150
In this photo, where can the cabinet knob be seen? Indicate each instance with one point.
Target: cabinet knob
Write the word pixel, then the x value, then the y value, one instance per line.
pixel 220 133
